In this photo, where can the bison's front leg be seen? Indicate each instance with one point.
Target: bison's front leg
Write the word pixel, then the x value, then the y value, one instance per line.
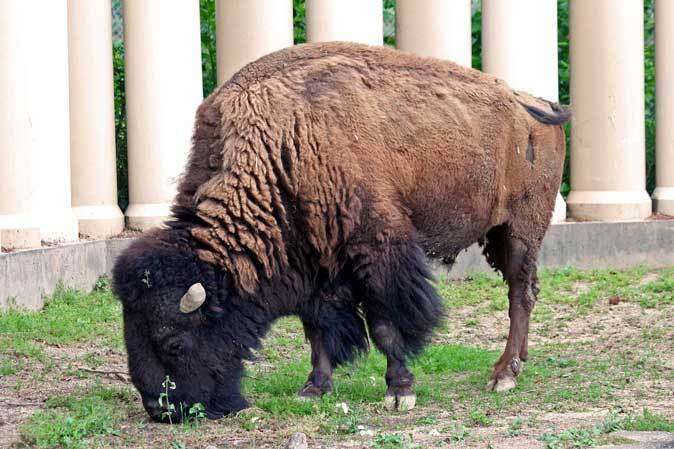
pixel 320 378
pixel 401 308
pixel 399 395
pixel 335 329
pixel 517 261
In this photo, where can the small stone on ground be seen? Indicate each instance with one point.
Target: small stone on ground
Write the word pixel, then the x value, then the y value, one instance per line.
pixel 297 441
pixel 644 440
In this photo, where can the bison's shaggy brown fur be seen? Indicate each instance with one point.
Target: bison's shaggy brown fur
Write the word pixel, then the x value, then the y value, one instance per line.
pixel 336 166
pixel 437 151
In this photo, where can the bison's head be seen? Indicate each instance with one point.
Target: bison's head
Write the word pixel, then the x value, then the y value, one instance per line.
pixel 182 320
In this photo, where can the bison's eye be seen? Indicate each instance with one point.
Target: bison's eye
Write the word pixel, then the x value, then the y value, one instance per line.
pixel 173 346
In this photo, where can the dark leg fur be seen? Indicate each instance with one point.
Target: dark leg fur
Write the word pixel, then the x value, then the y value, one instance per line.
pixel 320 378
pixel 402 308
pixel 517 262
pixel 336 332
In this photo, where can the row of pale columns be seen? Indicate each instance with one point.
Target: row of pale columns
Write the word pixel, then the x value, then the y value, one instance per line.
pixel 56 115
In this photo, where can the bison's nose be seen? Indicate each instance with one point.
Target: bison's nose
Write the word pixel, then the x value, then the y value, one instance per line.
pixel 153 408
pixel 159 413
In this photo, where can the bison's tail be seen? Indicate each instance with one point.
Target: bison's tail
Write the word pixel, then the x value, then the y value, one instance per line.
pixel 559 115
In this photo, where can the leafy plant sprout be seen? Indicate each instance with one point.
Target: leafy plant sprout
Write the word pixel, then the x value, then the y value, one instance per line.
pixel 164 401
pixel 195 414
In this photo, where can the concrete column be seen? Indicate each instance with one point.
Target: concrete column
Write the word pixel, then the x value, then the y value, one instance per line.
pixel 519 45
pixel 607 93
pixel 345 20
pixel 163 91
pixel 18 227
pixel 249 29
pixel 50 118
pixel 92 118
pixel 437 28
pixel 663 197
pixel 41 141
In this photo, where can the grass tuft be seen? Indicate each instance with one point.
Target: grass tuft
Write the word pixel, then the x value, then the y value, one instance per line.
pixel 70 421
pixel 68 317
pixel 648 421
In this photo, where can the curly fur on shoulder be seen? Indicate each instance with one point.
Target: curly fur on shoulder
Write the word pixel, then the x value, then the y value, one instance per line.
pixel 264 165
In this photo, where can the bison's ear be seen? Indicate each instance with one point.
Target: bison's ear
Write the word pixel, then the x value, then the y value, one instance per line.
pixel 216 303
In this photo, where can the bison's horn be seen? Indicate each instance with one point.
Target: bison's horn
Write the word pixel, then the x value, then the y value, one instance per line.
pixel 193 299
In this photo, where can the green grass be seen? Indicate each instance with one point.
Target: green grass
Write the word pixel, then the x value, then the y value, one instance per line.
pixel 8 366
pixel 436 371
pixel 478 289
pixel 446 374
pixel 70 422
pixel 68 317
pixel 569 286
pixel 450 378
pixel 571 438
pixel 648 421
pixel 586 437
pixel 393 441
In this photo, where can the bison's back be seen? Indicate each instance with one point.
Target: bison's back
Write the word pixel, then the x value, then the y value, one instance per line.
pixel 417 133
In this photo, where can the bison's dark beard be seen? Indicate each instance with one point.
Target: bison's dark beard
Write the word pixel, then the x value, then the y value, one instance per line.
pixel 228 399
pixel 225 405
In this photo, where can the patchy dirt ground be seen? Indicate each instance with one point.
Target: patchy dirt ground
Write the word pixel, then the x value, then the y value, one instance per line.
pixel 595 367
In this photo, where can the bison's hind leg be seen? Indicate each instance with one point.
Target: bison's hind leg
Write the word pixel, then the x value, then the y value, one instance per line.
pixel 515 256
pixel 402 309
pixel 336 332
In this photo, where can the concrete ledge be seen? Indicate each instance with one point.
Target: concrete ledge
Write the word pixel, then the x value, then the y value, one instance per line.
pixel 27 276
pixel 588 245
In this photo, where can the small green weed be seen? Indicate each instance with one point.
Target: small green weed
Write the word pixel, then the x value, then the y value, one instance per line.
pixel 427 421
pixel 571 438
pixel 102 284
pixel 346 423
pixel 515 428
pixel 458 433
pixel 479 417
pixel 191 417
pixel 648 421
pixel 611 424
pixel 8 367
pixel 164 400
pixel 393 441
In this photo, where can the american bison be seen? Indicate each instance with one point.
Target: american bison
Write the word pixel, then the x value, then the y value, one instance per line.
pixel 321 178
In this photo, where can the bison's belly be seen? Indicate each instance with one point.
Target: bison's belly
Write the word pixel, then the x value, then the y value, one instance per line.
pixel 446 242
pixel 450 223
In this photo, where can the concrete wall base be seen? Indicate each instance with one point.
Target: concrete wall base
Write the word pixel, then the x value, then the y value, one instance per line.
pixel 663 200
pixel 19 231
pixel 101 221
pixel 141 217
pixel 609 205
pixel 26 277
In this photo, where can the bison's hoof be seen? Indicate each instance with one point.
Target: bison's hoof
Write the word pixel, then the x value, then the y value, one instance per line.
pixel 502 384
pixel 401 401
pixel 505 379
pixel 309 390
